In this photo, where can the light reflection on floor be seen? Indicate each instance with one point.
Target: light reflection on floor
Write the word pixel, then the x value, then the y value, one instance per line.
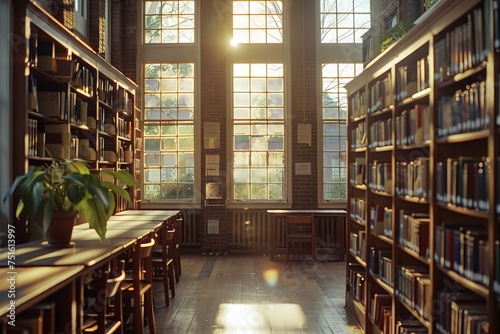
pixel 255 318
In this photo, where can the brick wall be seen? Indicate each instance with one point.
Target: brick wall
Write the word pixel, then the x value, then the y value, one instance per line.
pixel 97 25
pixel 214 36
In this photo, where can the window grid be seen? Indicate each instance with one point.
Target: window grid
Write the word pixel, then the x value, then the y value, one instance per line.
pixel 258 132
pixel 169 22
pixel 344 21
pixel 257 22
pixel 334 111
pixel 169 132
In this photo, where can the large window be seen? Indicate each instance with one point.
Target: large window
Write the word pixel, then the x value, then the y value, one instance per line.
pixel 258 132
pixel 334 111
pixel 81 16
pixel 257 22
pixel 169 22
pixel 344 21
pixel 169 158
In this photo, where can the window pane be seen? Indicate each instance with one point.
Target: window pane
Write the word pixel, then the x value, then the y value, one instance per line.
pixel 169 21
pixel 341 19
pixel 258 132
pixel 334 106
pixel 169 130
pixel 257 21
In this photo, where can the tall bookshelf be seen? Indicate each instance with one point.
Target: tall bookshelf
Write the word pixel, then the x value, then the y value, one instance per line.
pixel 69 102
pixel 423 216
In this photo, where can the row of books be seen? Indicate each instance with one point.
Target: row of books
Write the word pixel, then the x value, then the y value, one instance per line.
pixel 461 312
pixel 359 105
pixel 356 281
pixel 413 287
pixel 357 244
pixel 83 78
pixel 358 136
pixel 59 105
pixel 414 232
pixel 463 249
pixel 381 133
pixel 412 178
pixel 358 209
pixel 462 48
pixel 106 91
pixel 381 312
pixel 380 264
pixel 406 81
pixel 463 182
pixel 381 94
pixel 465 111
pixel 35 142
pixel 124 128
pixel 124 102
pixel 412 126
pixel 381 221
pixel 379 176
pixel 357 172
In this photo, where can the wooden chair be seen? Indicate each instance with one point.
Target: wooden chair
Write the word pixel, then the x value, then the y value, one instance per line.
pixel 141 285
pixel 105 316
pixel 300 231
pixel 163 263
pixel 176 254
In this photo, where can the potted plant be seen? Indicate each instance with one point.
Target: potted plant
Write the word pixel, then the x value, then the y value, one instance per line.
pixel 68 188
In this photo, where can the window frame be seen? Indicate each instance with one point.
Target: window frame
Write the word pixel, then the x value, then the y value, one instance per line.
pixel 329 53
pixel 261 53
pixel 176 53
pixel 82 19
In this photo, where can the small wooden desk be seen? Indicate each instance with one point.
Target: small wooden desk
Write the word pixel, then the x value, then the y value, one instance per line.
pixel 340 228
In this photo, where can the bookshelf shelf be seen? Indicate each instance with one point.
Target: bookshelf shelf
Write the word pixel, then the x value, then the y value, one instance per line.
pixel 387 148
pixel 464 211
pixel 425 145
pixel 389 289
pixel 383 238
pixel 432 132
pixel 478 289
pixel 415 314
pixel 359 150
pixel 381 193
pixel 358 222
pixel 415 98
pixel 464 137
pixel 413 199
pixel 359 118
pixel 462 76
pixel 415 255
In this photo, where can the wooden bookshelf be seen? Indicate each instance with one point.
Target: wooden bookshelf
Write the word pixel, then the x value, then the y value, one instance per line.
pixel 423 146
pixel 70 102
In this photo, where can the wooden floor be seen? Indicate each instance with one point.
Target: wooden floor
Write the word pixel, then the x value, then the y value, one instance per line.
pixel 251 294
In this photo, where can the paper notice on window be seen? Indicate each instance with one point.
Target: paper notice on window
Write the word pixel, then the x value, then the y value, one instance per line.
pixel 211 138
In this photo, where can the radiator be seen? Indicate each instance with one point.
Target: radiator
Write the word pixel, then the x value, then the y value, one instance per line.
pixel 250 230
pixel 189 228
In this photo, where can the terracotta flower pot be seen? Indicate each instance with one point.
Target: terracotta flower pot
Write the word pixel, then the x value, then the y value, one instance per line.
pixel 60 229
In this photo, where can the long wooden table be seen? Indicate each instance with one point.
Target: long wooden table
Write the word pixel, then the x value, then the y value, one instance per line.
pixel 43 263
pixel 31 285
pixel 339 224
